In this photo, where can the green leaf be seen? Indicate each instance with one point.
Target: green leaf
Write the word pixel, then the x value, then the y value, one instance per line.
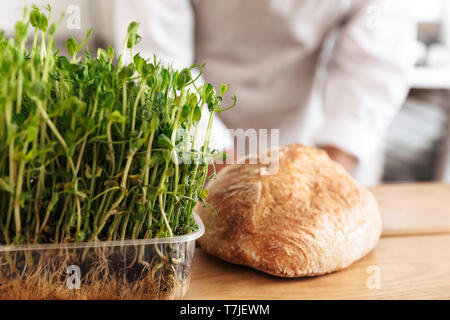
pixel 77 106
pixel 155 159
pixel 139 62
pixel 21 30
pixel 18 239
pixel 63 63
pixel 223 89
pixel 192 100
pixel 154 123
pixel 18 119
pixel 87 172
pixel 43 22
pixel 183 78
pixel 185 112
pixel 133 40
pixel 133 37
pixel 101 54
pixel 197 115
pixel 170 172
pixel 139 214
pixel 110 53
pixel 38 91
pixel 80 236
pixel 165 142
pixel 31 133
pixel 209 94
pixel 35 18
pixel 147 69
pixel 89 124
pixel 88 34
pixel 33 153
pixel 52 29
pixel 3 45
pixel 49 9
pixel 98 173
pixel 136 145
pixel 108 99
pixel 81 194
pixel 116 117
pixel 5 186
pixel 204 193
pixel 133 28
pixel 125 73
pixel 53 201
pixel 72 47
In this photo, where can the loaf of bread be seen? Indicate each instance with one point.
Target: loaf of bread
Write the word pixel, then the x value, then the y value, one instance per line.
pixel 308 218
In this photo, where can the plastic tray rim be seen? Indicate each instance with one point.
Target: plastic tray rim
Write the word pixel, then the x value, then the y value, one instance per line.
pixel 81 245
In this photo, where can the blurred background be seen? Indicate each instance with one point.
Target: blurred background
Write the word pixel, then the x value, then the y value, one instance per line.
pixel 417 145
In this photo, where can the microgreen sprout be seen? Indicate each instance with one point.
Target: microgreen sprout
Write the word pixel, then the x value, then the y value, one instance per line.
pixel 91 151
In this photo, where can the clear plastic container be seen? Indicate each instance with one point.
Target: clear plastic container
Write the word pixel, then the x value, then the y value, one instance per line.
pixel 133 269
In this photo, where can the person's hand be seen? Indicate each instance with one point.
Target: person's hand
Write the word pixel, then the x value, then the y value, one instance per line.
pixel 348 161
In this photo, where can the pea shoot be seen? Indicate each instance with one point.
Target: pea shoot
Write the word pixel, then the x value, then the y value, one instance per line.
pixel 91 150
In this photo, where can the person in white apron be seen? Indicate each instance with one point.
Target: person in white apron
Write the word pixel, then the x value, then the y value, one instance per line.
pixel 339 94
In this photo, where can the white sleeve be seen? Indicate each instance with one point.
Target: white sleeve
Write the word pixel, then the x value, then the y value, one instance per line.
pixel 366 82
pixel 167 29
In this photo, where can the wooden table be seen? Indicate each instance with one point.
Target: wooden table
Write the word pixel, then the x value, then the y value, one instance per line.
pixel 411 261
pixel 414 209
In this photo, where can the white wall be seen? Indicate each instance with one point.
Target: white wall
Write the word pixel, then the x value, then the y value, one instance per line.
pixel 12 11
pixel 426 10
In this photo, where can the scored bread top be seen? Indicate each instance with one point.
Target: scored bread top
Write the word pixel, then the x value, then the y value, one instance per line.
pixel 309 218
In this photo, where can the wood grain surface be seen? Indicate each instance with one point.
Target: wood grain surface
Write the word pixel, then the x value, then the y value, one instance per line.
pixel 409 267
pixel 412 259
pixel 414 209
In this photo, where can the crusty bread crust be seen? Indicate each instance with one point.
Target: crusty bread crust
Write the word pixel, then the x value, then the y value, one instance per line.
pixel 310 218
